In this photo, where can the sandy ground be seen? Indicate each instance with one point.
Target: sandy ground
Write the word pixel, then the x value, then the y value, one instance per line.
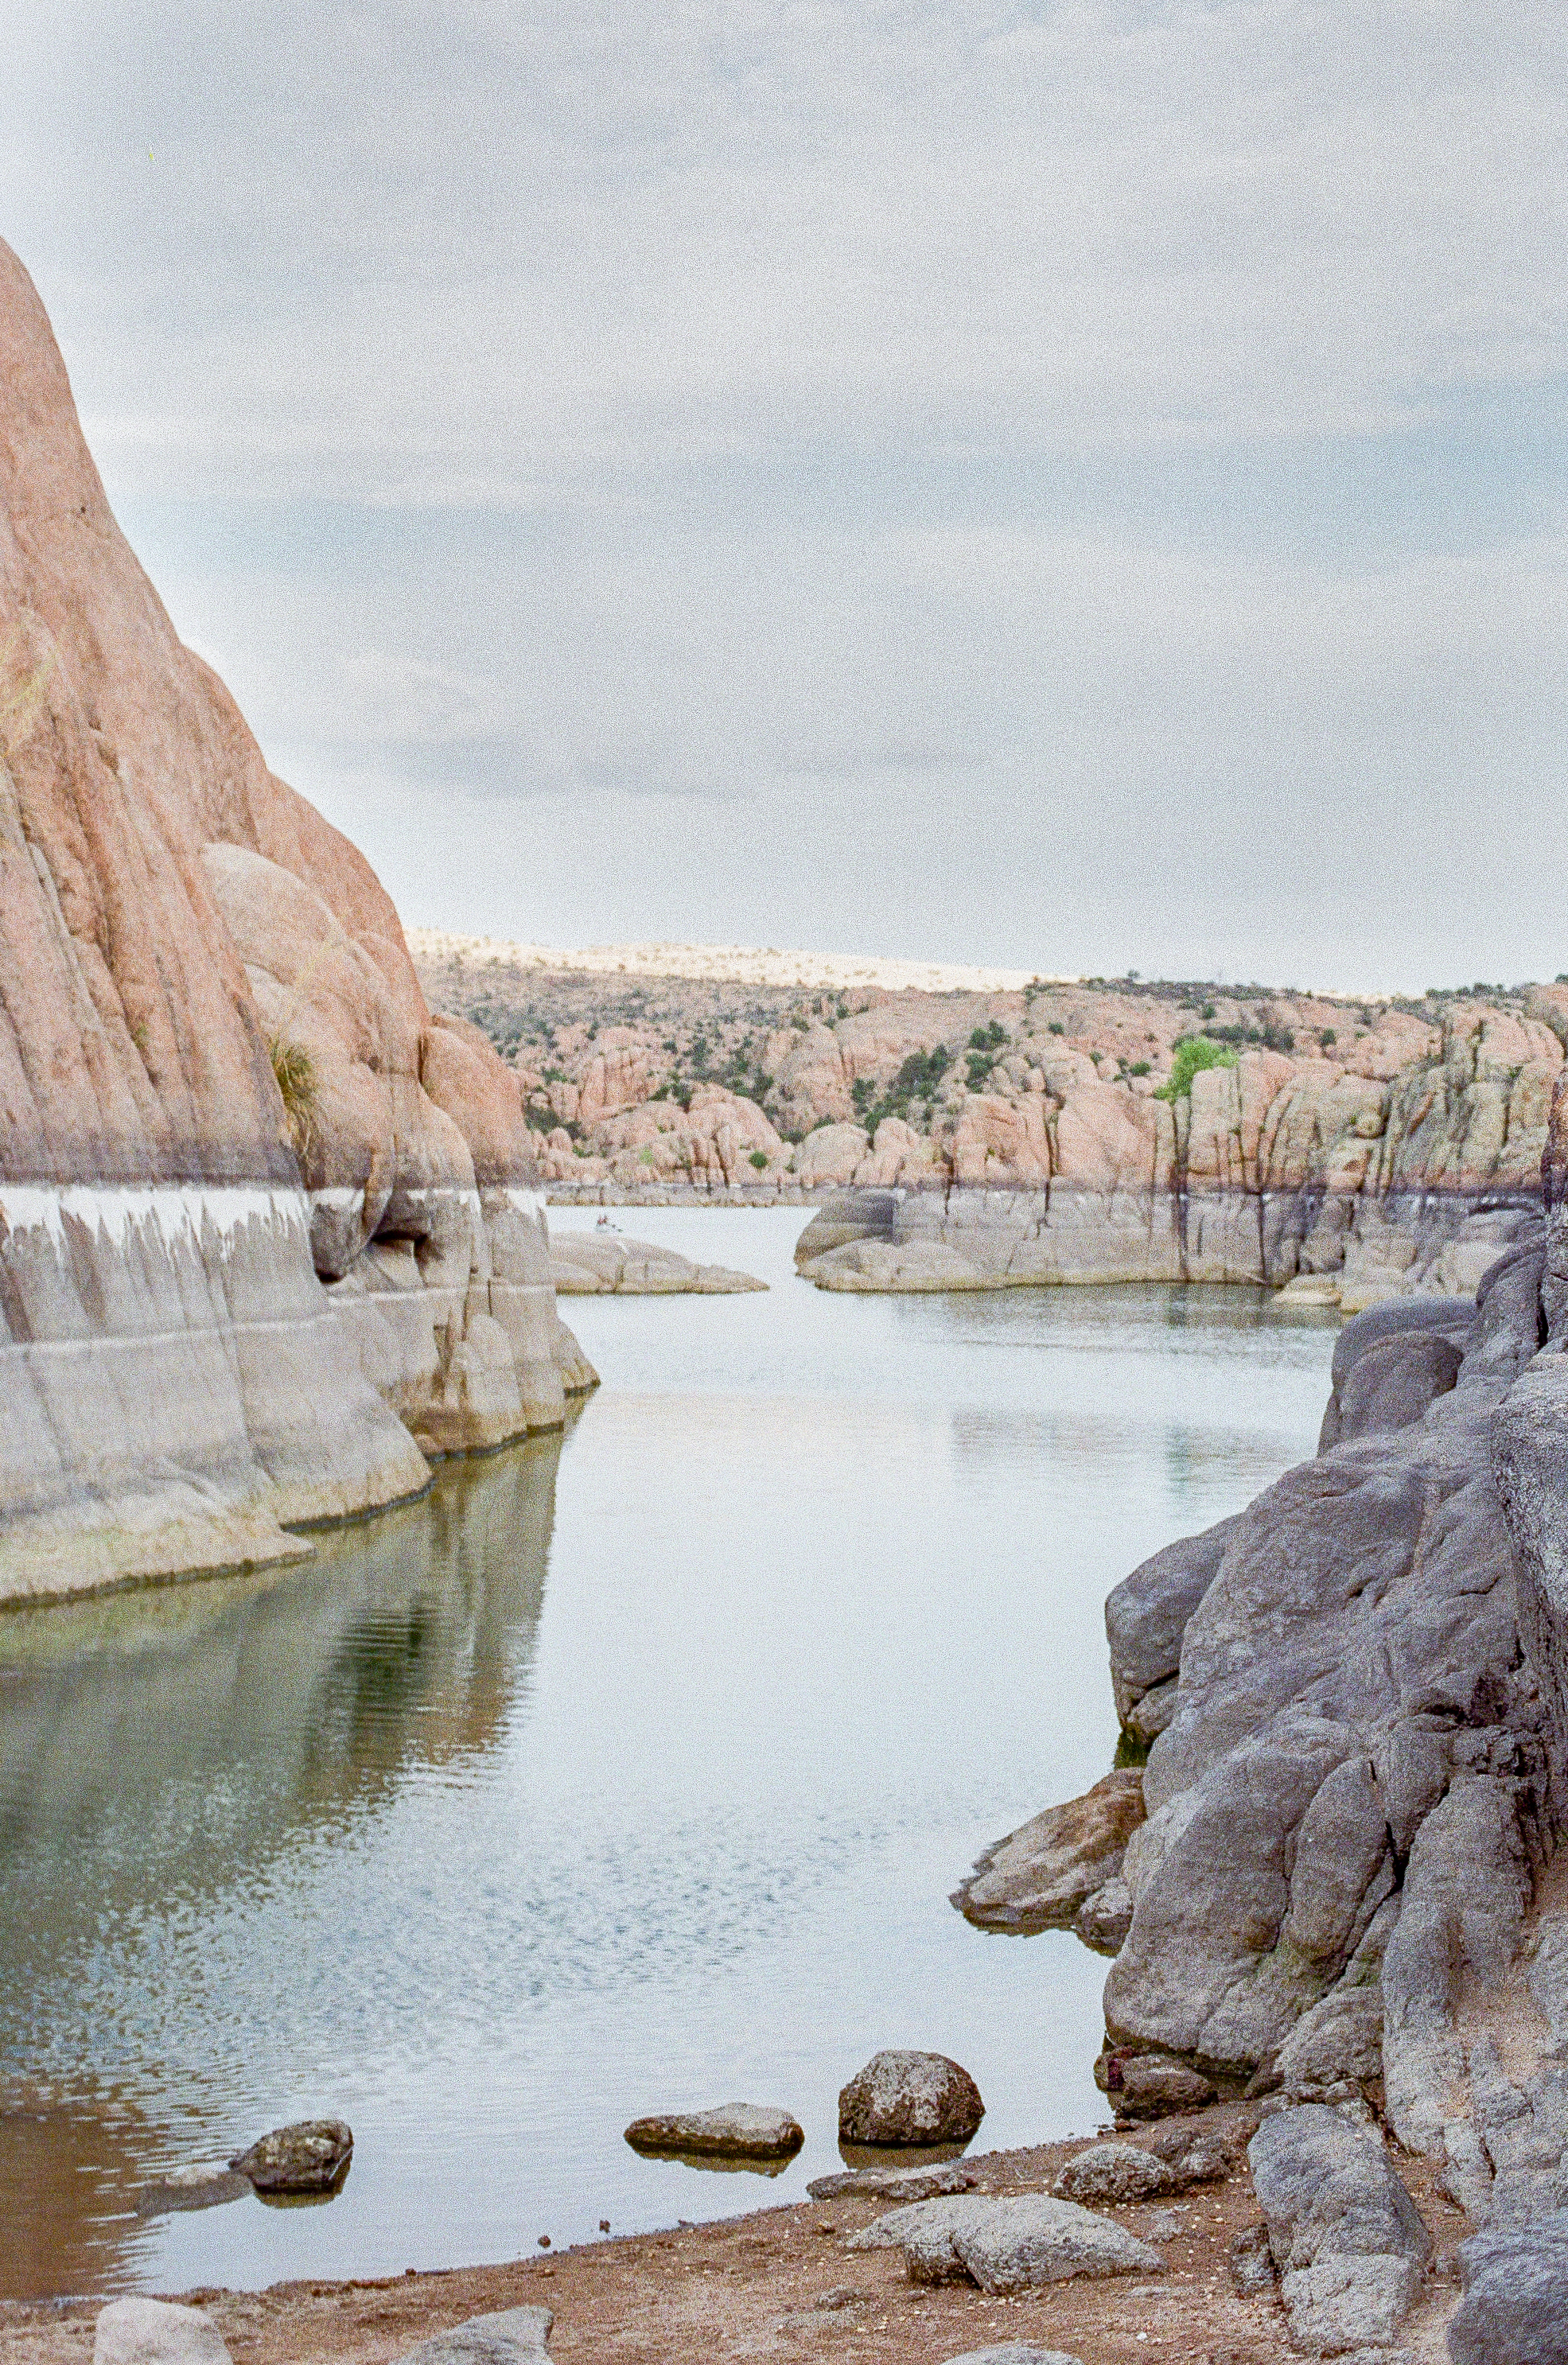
pixel 780 2284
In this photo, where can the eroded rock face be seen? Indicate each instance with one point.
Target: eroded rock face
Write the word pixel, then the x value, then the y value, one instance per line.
pixel 1345 2236
pixel 178 931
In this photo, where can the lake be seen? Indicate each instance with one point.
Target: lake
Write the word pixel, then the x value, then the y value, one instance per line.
pixel 629 1770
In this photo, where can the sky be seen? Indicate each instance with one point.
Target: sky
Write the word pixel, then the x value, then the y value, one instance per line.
pixel 1073 486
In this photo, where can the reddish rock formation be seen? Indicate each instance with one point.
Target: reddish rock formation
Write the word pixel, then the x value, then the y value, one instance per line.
pixel 179 931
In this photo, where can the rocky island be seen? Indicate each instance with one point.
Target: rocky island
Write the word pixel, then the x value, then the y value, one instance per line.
pixel 270 1231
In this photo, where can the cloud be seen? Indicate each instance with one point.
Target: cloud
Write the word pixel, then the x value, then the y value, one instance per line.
pixel 1084 468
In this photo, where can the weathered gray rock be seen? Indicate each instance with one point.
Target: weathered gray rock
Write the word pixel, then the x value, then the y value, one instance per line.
pixel 925 2183
pixel 1394 1382
pixel 1515 2307
pixel 910 2098
pixel 1005 2244
pixel 1040 1876
pixel 513 2336
pixel 1250 2263
pixel 1449 1319
pixel 1103 1921
pixel 1346 2237
pixel 1017 2242
pixel 1335 2045
pixel 156 2332
pixel 1116 2171
pixel 1146 1614
pixel 734 2130
pixel 310 2156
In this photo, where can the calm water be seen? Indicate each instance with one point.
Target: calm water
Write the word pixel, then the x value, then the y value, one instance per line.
pixel 627 1771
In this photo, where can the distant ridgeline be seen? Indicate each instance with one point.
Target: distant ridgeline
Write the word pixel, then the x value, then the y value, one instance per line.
pixel 1096 1130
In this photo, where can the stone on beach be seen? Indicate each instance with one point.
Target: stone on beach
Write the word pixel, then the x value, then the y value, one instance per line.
pixel 1040 1876
pixel 156 2332
pixel 909 2098
pixel 732 2131
pixel 1116 2171
pixel 513 2336
pixel 310 2156
pixel 925 2183
pixel 1014 2352
pixel 1007 2243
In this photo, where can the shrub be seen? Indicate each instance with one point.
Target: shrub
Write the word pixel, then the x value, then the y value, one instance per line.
pixel 759 1158
pixel 1139 1068
pixel 1326 1034
pixel 294 1071
pixel 1190 1055
pixel 1056 1027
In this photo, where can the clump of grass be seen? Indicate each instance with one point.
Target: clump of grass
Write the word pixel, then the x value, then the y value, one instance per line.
pixel 294 1071
pixel 1190 1055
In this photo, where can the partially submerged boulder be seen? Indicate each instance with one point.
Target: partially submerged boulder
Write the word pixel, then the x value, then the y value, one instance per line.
pixel 732 2131
pixel 310 2156
pixel 603 1265
pixel 910 2098
pixel 1042 1875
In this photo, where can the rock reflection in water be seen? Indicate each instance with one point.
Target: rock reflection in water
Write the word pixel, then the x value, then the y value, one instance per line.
pixel 167 1748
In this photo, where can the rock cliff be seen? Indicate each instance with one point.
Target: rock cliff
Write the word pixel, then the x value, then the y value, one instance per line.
pixel 268 1231
pixel 1346 1886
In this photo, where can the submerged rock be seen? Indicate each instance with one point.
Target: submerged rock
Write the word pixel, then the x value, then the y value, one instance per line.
pixel 1040 1876
pixel 204 2184
pixel 156 2332
pixel 910 2098
pixel 310 2156
pixel 734 2130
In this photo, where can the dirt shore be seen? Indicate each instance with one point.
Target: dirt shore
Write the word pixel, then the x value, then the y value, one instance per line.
pixel 780 2284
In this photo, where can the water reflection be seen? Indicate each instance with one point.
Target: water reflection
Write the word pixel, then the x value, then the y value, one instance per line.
pixel 161 1751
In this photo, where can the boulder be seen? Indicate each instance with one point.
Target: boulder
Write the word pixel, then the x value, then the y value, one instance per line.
pixel 1344 2234
pixel 597 1265
pixel 310 2156
pixel 513 2336
pixel 1041 1875
pixel 156 2332
pixel 1116 2171
pixel 1014 2242
pixel 1514 2310
pixel 1152 2086
pixel 1250 2263
pixel 734 2130
pixel 910 2098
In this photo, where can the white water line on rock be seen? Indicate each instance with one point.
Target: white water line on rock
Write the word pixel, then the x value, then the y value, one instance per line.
pixel 174 1209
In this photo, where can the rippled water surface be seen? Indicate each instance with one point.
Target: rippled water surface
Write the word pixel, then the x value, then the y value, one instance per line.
pixel 627 1771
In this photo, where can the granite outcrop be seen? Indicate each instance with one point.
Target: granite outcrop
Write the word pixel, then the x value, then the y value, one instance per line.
pixel 270 1231
pixel 1345 1886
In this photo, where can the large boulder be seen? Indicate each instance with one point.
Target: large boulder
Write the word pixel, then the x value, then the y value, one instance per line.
pixel 1348 2240
pixel 1013 2243
pixel 909 2098
pixel 1146 1614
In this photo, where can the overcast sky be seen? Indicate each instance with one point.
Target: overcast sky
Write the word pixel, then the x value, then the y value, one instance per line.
pixel 1079 487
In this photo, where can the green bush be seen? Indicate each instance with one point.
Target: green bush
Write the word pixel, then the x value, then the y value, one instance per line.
pixel 759 1158
pixel 1190 1055
pixel 294 1071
